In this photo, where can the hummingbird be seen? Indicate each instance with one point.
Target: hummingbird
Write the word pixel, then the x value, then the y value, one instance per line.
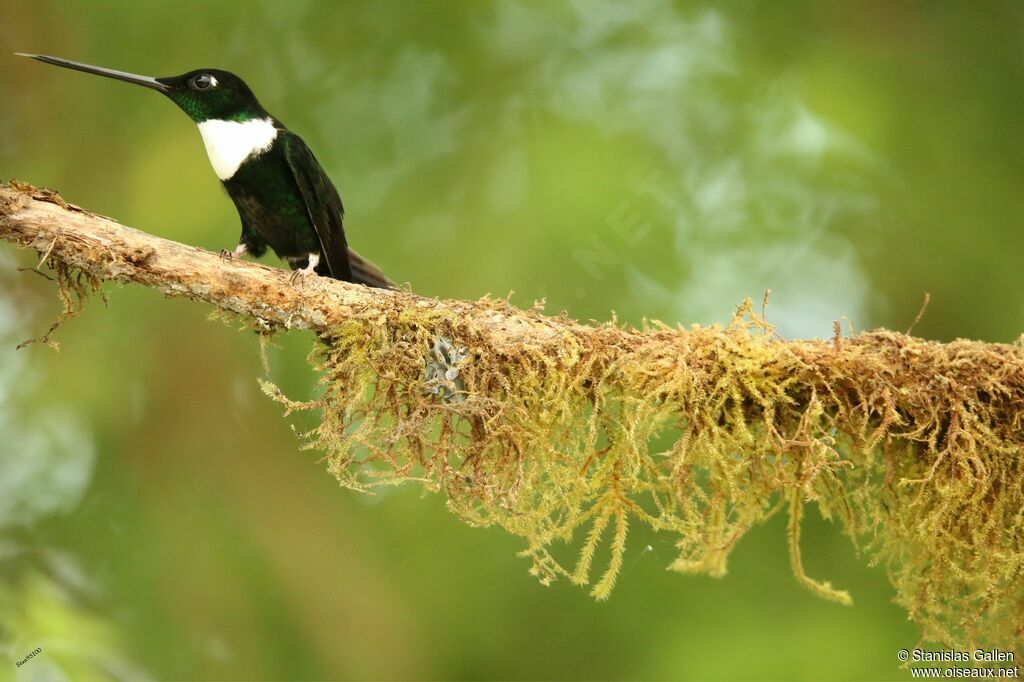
pixel 284 198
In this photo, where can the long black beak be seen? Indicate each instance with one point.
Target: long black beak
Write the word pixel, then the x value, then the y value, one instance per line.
pixel 144 81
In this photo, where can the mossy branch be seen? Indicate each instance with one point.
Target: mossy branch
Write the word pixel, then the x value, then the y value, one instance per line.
pixel 568 434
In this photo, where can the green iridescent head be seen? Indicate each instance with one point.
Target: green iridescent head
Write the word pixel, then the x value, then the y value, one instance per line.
pixel 207 94
pixel 203 94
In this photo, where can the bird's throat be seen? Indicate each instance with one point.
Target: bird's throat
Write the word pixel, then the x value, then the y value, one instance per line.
pixel 230 143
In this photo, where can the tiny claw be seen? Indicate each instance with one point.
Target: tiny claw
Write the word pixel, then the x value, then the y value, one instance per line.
pixel 298 277
pixel 310 269
pixel 239 251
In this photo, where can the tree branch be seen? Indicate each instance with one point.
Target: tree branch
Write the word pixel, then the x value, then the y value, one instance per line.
pixel 559 430
pixel 39 219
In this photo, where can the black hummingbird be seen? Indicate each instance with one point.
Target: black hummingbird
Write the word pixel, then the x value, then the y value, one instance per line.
pixel 283 196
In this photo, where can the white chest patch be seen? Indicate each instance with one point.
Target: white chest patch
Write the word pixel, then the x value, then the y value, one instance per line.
pixel 230 143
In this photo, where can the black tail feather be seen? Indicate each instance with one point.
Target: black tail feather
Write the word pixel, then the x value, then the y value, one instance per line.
pixel 365 272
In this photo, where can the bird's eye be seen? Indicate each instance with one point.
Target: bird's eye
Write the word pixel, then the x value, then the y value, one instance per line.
pixel 203 81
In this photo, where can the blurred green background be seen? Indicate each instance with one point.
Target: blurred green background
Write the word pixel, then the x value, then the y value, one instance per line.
pixel 662 160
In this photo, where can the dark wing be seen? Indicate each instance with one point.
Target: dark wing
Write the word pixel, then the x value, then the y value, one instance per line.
pixel 322 203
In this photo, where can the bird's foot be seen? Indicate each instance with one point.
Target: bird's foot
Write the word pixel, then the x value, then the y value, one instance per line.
pixel 239 251
pixel 302 273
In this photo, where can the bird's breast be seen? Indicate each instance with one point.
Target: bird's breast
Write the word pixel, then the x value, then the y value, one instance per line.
pixel 230 143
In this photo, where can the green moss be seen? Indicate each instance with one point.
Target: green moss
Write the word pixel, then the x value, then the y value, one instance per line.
pixel 73 287
pixel 914 447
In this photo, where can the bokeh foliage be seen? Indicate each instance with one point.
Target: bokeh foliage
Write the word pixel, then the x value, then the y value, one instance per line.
pixel 660 159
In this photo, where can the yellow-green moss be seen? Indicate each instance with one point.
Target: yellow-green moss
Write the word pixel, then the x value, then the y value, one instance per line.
pixel 915 448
